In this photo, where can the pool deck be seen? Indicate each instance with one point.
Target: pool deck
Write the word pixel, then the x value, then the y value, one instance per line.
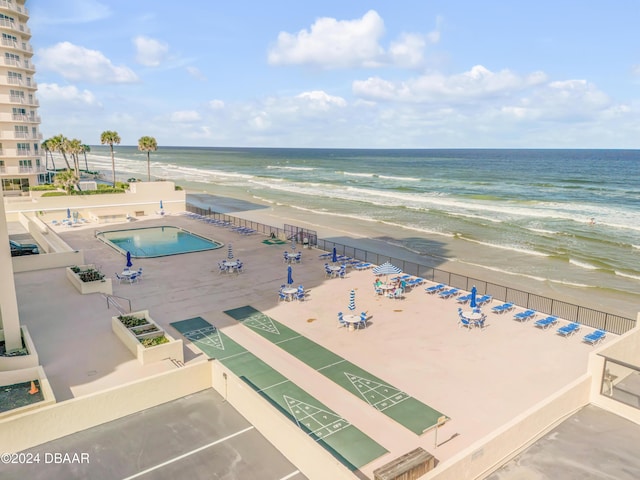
pixel 479 379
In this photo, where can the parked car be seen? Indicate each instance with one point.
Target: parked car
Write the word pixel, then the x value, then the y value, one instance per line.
pixel 18 249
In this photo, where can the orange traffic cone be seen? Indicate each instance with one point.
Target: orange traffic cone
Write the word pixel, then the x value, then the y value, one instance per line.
pixel 34 389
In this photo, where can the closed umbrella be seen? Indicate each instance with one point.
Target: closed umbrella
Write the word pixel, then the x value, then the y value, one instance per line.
pixel 289 275
pixel 334 255
pixel 68 213
pixel 474 292
pixel 129 263
pixel 386 269
pixel 160 204
pixel 352 300
pixel 230 252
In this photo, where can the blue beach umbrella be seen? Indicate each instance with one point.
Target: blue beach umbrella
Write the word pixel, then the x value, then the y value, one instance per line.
pixel 334 255
pixel 160 204
pixel 289 275
pixel 352 300
pixel 68 213
pixel 386 269
pixel 474 292
pixel 129 263
pixel 230 252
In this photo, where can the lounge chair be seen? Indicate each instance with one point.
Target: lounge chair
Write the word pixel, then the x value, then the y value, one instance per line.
pixel 524 316
pixel 483 299
pixel 547 322
pixel 568 330
pixel 505 307
pixel 594 338
pixel 435 288
pixel 464 298
pixel 452 292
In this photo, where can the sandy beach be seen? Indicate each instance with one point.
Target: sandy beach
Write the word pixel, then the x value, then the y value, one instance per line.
pixel 384 239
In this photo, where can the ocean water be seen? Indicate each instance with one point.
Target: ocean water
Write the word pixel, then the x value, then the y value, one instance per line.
pixel 562 218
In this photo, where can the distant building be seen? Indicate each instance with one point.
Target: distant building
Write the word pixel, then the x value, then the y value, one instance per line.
pixel 21 164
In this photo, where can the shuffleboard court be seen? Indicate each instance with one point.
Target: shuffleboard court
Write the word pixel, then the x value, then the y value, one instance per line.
pixel 393 402
pixel 334 433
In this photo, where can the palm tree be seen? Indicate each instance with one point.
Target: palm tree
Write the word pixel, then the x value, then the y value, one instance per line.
pixel 46 146
pixel 148 144
pixel 66 180
pixel 86 149
pixel 57 144
pixel 110 137
pixel 74 147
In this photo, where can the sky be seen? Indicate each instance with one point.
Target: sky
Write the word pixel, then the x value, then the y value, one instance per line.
pixel 340 74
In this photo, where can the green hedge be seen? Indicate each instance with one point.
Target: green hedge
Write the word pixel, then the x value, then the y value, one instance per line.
pixel 40 188
pixel 54 194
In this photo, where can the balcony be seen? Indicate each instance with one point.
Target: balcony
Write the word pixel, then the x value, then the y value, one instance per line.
pixel 5 4
pixel 25 118
pixel 13 170
pixel 21 136
pixel 22 82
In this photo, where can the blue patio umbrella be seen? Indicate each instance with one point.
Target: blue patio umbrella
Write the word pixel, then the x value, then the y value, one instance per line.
pixel 68 213
pixel 230 252
pixel 334 255
pixel 352 300
pixel 289 275
pixel 474 292
pixel 160 204
pixel 129 263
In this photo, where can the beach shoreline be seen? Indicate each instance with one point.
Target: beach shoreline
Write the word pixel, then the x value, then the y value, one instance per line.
pixel 386 240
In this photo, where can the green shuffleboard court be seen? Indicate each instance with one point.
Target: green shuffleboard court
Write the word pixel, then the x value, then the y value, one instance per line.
pixel 335 434
pixel 396 404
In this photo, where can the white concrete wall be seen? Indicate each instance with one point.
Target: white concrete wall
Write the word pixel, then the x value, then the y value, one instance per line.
pixel 27 375
pixel 301 450
pixel 9 319
pixel 35 427
pixel 483 457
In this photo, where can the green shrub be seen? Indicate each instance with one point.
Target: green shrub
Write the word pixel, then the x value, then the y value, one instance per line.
pixel 132 321
pixel 151 342
pixel 40 188
pixel 54 194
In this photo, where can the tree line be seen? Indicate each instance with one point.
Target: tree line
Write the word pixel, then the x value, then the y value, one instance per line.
pixel 73 148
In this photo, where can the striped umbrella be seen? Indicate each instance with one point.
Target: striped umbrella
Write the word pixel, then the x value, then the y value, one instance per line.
pixel 230 252
pixel 386 269
pixel 352 300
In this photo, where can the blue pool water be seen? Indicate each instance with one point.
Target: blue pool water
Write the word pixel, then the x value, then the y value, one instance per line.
pixel 156 241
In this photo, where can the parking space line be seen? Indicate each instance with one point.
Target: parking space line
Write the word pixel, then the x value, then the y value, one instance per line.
pixel 184 455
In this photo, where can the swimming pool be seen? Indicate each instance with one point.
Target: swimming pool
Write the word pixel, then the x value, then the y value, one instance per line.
pixel 156 241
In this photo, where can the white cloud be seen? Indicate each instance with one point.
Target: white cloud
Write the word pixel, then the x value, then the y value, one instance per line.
pixel 185 116
pixel 476 83
pixel 332 43
pixel 196 73
pixel 149 51
pixel 70 94
pixel 319 100
pixel 77 63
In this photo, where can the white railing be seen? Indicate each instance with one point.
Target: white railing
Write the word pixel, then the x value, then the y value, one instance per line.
pixel 17 170
pixel 15 8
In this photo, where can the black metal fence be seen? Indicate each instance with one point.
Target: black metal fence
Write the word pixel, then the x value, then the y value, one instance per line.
pixel 575 313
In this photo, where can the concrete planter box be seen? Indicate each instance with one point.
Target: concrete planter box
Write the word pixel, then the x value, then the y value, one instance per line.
pixel 99 286
pixel 171 349
pixel 20 361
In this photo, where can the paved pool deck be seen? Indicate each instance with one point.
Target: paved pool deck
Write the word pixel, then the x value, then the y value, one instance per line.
pixel 480 379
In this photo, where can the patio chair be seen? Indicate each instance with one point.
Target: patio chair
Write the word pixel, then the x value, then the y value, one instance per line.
pixel 363 321
pixel 133 278
pixel 452 292
pixel 464 323
pixel 282 297
pixel 341 321
pixel 119 278
pixel 435 288
pixel 483 300
pixel 568 330
pixel 505 307
pixel 545 323
pixel 464 298
pixel 524 316
pixel 595 337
